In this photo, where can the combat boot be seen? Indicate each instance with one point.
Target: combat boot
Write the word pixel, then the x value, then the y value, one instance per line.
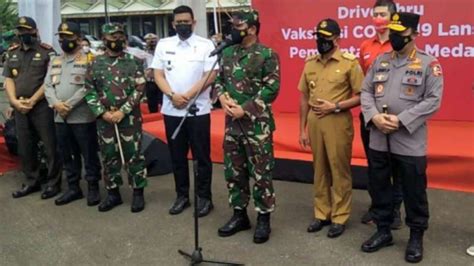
pixel 73 193
pixel 414 251
pixel 113 199
pixel 93 194
pixel 262 230
pixel 239 222
pixel 138 201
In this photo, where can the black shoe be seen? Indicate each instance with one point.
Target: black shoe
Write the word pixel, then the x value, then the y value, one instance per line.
pixel 70 195
pixel 138 201
pixel 26 190
pixel 93 194
pixel 379 240
pixel 262 230
pixel 113 199
pixel 316 225
pixel 239 222
pixel 397 220
pixel 50 192
pixel 367 218
pixel 179 205
pixel 204 207
pixel 336 230
pixel 414 251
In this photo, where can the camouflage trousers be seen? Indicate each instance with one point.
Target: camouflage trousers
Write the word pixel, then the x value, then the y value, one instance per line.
pixel 243 160
pixel 131 138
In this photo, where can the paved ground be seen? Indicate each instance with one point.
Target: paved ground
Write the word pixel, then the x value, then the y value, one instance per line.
pixel 36 232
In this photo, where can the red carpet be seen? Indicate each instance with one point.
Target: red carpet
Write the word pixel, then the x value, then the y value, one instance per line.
pixel 7 161
pixel 450 153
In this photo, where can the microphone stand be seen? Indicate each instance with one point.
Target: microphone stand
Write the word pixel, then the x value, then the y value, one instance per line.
pixel 196 256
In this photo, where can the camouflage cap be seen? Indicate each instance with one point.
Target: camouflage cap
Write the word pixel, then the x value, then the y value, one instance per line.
pixel 246 16
pixel 111 28
pixel 26 23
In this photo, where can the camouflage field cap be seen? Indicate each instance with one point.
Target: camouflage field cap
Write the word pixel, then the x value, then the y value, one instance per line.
pixel 111 28
pixel 246 16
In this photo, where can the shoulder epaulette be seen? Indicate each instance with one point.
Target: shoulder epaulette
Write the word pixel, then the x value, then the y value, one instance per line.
pixel 46 46
pixel 349 56
pixel 15 46
pixel 311 57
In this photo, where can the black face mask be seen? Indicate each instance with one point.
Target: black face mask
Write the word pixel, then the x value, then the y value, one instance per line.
pixel 238 35
pixel 184 31
pixel 324 46
pixel 27 38
pixel 69 46
pixel 115 46
pixel 398 41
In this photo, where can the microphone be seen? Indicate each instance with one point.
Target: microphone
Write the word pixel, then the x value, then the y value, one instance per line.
pixel 224 44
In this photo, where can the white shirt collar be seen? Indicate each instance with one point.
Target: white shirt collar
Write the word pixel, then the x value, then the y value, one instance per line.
pixel 188 42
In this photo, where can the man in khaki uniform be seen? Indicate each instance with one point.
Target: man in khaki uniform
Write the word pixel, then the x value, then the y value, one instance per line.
pixel 330 86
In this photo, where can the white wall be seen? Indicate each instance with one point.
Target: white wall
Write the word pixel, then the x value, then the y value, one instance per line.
pixel 47 15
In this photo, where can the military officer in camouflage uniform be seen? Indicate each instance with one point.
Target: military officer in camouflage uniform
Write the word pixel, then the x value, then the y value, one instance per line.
pixel 409 82
pixel 75 122
pixel 24 70
pixel 247 86
pixel 115 82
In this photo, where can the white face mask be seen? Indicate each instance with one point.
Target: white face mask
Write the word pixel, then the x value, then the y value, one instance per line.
pixel 86 49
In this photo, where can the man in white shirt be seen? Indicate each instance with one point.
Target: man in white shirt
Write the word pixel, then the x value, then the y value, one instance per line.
pixel 181 65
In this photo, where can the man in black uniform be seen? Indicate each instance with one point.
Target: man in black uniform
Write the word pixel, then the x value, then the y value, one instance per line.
pixel 24 70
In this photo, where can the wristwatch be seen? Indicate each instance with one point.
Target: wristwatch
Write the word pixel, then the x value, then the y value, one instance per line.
pixel 170 95
pixel 338 108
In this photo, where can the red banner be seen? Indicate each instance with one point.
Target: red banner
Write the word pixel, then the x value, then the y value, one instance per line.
pixel 446 32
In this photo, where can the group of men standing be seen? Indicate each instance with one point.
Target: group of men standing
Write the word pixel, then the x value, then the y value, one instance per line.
pixel 402 88
pixel 96 104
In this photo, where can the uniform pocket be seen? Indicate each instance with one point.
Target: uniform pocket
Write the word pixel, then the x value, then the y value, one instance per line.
pixel 411 88
pixel 379 81
pixel 78 76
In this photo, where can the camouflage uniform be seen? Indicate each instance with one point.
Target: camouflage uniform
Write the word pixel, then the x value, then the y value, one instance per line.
pixel 118 83
pixel 251 77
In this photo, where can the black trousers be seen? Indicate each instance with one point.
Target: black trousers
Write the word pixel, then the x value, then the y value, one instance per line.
pixel 77 142
pixel 38 124
pixel 154 96
pixel 397 185
pixel 195 133
pixel 411 171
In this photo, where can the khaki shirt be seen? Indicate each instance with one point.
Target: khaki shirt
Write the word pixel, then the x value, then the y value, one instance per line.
pixel 64 82
pixel 27 67
pixel 335 80
pixel 411 87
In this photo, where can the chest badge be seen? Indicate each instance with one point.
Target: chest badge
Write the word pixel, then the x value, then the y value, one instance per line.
pixel 312 84
pixel 409 91
pixel 379 77
pixel 14 72
pixel 384 64
pixel 379 89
